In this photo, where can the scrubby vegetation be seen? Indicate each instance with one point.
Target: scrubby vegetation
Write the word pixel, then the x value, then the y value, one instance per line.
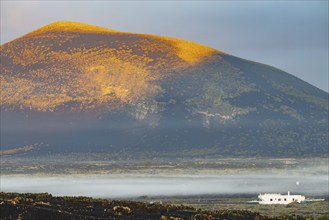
pixel 45 206
pixel 69 62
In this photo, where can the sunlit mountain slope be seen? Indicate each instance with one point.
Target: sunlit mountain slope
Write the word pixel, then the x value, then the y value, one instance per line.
pixel 82 66
pixel 73 87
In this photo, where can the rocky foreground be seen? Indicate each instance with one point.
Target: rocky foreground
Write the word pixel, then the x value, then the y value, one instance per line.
pixel 46 206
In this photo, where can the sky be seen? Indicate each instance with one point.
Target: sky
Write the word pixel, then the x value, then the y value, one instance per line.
pixel 290 35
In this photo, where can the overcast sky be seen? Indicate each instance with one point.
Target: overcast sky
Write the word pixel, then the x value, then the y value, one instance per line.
pixel 289 35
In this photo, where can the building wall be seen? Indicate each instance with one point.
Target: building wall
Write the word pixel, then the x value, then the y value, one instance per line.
pixel 280 199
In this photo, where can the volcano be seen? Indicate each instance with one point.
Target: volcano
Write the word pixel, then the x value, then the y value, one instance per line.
pixel 70 87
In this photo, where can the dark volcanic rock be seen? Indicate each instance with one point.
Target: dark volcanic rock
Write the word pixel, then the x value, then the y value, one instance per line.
pixel 45 206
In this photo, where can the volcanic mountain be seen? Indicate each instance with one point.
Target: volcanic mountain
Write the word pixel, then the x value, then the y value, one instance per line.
pixel 70 87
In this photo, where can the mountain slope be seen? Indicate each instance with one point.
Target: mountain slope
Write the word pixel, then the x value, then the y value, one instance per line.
pixel 72 87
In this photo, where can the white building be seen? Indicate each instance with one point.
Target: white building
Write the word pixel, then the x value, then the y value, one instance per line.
pixel 274 198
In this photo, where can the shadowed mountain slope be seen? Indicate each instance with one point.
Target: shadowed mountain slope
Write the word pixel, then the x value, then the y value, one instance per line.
pixel 72 87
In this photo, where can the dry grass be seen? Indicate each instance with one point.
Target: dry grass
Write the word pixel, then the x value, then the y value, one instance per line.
pixel 62 63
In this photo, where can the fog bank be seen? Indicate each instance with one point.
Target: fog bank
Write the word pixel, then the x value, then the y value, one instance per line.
pixel 124 186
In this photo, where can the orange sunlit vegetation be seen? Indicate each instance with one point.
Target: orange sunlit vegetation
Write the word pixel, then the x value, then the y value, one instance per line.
pixel 69 62
pixel 71 27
